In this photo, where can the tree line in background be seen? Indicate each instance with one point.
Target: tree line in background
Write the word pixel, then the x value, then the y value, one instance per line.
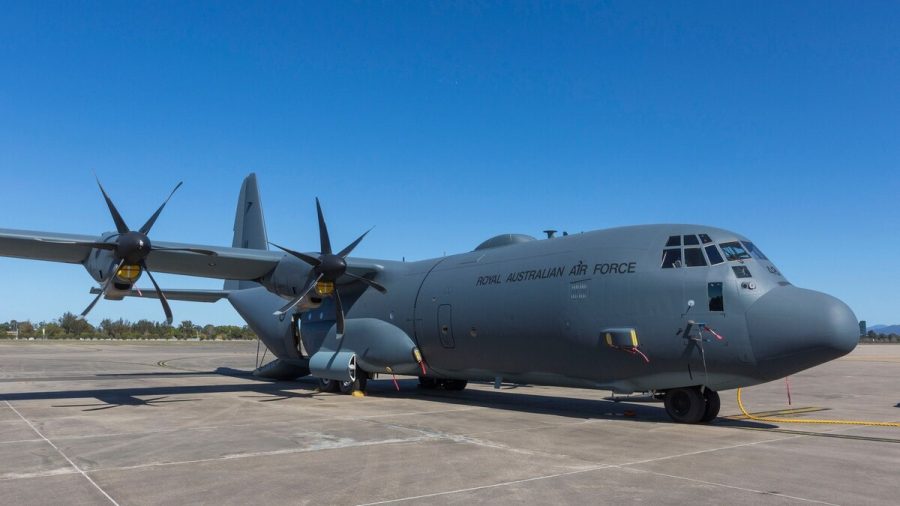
pixel 873 337
pixel 70 326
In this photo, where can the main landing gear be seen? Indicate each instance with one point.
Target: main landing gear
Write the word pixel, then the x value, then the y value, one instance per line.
pixel 357 384
pixel 692 404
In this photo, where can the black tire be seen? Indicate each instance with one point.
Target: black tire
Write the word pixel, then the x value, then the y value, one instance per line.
pixel 685 405
pixel 712 405
pixel 454 385
pixel 427 383
pixel 329 386
pixel 358 385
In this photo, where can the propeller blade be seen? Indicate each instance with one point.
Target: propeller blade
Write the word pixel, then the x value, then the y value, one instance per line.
pixel 92 304
pixel 308 288
pixel 102 291
pixel 324 240
pixel 367 281
pixel 147 226
pixel 313 261
pixel 189 250
pixel 111 246
pixel 121 227
pixel 162 297
pixel 338 313
pixel 346 251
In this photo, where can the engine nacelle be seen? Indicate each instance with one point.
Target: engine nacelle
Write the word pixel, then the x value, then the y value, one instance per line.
pixel 288 278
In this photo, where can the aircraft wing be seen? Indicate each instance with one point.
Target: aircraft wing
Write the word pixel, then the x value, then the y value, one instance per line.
pixel 228 263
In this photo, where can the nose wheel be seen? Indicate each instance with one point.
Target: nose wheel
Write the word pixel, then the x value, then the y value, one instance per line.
pixel 691 405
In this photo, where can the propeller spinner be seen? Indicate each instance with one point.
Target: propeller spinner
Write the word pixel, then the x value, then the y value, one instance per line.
pixel 327 268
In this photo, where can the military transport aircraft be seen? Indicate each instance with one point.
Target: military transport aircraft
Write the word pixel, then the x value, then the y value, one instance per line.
pixel 678 311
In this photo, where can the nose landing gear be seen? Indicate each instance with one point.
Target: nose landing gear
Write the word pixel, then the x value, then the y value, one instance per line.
pixel 692 404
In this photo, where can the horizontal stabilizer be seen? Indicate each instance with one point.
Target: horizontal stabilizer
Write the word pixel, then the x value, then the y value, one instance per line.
pixel 182 295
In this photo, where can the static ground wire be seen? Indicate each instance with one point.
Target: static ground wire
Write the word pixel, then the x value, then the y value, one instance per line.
pixel 803 420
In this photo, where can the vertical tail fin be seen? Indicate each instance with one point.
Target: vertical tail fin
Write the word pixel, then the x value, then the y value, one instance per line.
pixel 249 226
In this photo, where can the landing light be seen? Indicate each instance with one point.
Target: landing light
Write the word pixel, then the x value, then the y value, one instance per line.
pixel 324 288
pixel 129 273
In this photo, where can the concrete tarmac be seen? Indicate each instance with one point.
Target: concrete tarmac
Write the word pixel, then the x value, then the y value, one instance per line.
pixel 181 423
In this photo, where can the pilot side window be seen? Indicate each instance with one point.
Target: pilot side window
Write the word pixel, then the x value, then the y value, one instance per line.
pixel 693 257
pixel 754 251
pixel 734 251
pixel 671 258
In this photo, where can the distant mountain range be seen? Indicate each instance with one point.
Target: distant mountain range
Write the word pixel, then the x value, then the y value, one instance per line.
pixel 885 329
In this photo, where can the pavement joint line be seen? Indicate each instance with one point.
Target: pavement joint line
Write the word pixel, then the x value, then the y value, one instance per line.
pixel 569 473
pixel 22 441
pixel 716 484
pixel 484 487
pixel 74 466
pixel 40 474
pixel 270 453
pixel 254 425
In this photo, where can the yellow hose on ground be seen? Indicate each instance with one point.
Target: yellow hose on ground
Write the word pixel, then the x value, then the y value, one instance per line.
pixel 803 420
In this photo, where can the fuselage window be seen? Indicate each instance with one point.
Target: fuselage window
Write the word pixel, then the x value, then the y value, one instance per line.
pixel 693 257
pixel 754 251
pixel 671 258
pixel 715 258
pixel 741 271
pixel 691 240
pixel 734 251
pixel 674 240
pixel 705 239
pixel 716 298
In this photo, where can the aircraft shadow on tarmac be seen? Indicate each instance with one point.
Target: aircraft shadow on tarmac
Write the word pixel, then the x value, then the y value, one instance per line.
pixel 508 397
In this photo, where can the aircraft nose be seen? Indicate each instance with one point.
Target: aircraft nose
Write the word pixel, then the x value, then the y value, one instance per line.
pixel 792 329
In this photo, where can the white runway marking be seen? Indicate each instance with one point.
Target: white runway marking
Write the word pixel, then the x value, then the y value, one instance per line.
pixel 591 469
pixel 36 431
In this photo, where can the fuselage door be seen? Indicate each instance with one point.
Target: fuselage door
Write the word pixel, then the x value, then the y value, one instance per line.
pixel 445 326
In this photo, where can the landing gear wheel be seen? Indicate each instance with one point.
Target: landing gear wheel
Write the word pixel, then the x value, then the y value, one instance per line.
pixel 454 385
pixel 685 405
pixel 427 383
pixel 328 386
pixel 357 385
pixel 712 405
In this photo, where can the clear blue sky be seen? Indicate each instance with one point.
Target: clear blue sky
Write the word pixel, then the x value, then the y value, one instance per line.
pixel 446 124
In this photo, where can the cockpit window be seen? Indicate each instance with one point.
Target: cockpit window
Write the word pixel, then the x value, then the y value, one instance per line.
pixel 754 251
pixel 705 239
pixel 734 251
pixel 674 240
pixel 693 257
pixel 671 258
pixel 715 258
pixel 691 240
pixel 741 271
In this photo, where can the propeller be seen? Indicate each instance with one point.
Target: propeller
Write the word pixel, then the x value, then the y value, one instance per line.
pixel 131 248
pixel 327 268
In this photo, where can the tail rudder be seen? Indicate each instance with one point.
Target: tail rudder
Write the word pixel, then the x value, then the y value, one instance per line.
pixel 249 226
